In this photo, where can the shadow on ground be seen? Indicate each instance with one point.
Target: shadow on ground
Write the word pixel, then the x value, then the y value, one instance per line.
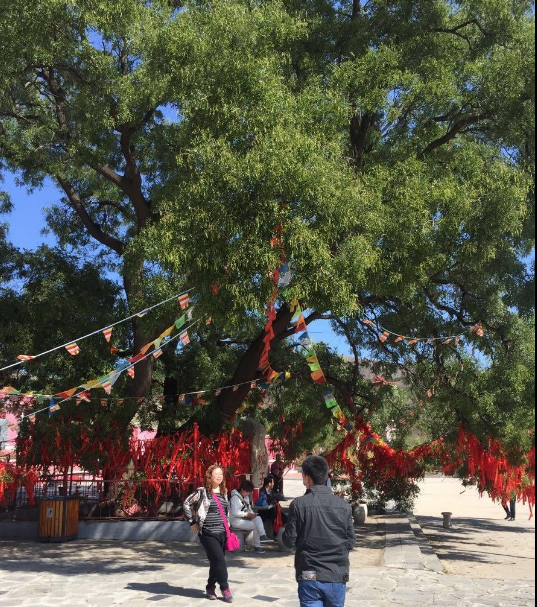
pixel 162 589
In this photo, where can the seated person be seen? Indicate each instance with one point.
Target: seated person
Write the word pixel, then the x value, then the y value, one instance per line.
pixel 268 498
pixel 277 472
pixel 242 516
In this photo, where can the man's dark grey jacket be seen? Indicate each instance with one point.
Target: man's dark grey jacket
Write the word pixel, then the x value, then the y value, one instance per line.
pixel 321 528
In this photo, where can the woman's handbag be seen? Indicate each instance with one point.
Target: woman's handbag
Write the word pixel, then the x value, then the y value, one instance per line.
pixel 232 542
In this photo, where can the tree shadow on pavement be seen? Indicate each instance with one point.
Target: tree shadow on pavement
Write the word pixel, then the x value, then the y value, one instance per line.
pixel 471 525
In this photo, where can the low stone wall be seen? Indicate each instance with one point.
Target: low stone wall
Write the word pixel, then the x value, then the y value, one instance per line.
pixel 170 531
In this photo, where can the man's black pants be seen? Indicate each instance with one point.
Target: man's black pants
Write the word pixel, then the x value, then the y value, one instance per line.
pixel 215 547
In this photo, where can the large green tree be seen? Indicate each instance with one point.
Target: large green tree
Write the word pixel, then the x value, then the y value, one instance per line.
pixel 392 141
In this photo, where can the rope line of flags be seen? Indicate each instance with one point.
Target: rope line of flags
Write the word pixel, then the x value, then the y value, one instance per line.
pixel 72 346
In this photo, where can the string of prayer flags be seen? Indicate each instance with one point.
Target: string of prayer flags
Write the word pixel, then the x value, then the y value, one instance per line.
pixel 184 301
pixel 25 357
pixel 108 334
pixel 73 349
pixel 185 339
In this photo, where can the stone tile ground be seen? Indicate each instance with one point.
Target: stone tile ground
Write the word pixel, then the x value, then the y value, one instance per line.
pixel 391 567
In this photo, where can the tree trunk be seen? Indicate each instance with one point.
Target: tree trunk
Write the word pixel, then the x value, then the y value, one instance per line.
pixel 248 367
pixel 139 386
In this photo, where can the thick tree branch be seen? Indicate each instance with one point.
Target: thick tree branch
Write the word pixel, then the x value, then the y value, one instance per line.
pixel 95 230
pixel 455 129
pixel 356 8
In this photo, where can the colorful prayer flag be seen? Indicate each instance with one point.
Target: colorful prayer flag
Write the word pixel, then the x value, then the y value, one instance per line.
pixel 384 336
pixel 25 357
pixel 106 385
pixel 83 397
pixel 253 385
pixel 400 338
pixel 66 393
pixel 142 313
pixel 185 339
pixel 184 300
pixel 73 349
pixel 180 322
pixel 130 372
pixel 107 334
pixel 478 330
pixel 209 321
pixel 157 353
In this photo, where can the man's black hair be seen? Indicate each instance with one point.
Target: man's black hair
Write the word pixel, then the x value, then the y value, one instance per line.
pixel 316 468
pixel 268 479
pixel 246 486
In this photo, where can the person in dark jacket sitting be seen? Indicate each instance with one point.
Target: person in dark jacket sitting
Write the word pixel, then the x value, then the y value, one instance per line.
pixel 320 526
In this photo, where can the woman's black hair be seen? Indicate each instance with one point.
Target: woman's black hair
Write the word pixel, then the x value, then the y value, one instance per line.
pixel 246 486
pixel 316 468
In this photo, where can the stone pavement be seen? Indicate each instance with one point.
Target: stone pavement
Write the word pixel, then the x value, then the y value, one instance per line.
pixel 101 574
pixel 394 565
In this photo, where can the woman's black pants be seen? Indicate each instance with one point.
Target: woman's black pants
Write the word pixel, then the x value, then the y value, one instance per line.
pixel 215 547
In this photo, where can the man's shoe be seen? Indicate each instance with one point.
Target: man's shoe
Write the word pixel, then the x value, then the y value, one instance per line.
pixel 264 539
pixel 507 518
pixel 211 593
pixel 260 550
pixel 228 597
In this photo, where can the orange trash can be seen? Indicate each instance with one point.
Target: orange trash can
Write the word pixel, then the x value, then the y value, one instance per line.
pixel 58 519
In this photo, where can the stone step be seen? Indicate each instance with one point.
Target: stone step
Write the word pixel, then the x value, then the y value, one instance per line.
pixel 406 545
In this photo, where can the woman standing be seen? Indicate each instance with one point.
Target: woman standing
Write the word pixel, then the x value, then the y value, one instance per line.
pixel 208 503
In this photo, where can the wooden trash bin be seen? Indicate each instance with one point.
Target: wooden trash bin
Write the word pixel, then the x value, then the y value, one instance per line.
pixel 58 519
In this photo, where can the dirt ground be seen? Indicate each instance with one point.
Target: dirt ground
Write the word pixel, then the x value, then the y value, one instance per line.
pixel 481 544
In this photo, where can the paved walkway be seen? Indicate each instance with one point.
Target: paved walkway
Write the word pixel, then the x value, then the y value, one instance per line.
pixel 394 565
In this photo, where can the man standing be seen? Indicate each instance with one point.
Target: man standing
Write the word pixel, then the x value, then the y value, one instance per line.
pixel 321 528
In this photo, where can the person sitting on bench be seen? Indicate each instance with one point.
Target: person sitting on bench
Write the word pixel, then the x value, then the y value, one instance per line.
pixel 243 518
